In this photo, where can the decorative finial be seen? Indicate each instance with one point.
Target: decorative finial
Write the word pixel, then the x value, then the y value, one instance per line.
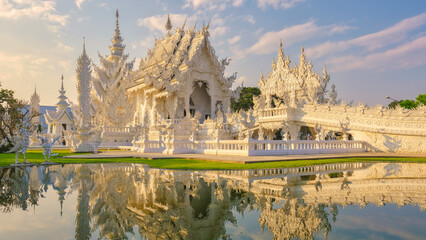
pixel 208 24
pixel 168 24
pixel 195 25
pixel 84 45
pixel 184 23
pixel 62 84
pixel 302 50
pixel 281 43
pixel 116 18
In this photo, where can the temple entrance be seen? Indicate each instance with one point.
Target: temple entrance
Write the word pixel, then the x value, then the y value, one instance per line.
pixel 200 101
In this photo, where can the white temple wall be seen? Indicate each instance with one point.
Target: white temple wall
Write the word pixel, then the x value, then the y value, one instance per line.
pixel 391 142
pixel 400 130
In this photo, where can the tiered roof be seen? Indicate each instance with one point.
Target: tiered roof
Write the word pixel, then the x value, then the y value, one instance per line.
pixel 292 84
pixel 52 116
pixel 171 60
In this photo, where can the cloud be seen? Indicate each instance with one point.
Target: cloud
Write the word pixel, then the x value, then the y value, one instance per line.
pixel 234 40
pixel 297 33
pixel 158 22
pixel 240 80
pixel 408 55
pixel 79 2
pixel 218 31
pixel 45 10
pixel 377 40
pixel 249 19
pixel 217 5
pixel 278 4
pixel 65 47
pixel 238 3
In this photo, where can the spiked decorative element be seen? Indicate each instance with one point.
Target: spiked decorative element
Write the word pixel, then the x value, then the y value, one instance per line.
pixel 84 73
pixel 168 24
pixel 35 107
pixel 117 46
pixel 62 104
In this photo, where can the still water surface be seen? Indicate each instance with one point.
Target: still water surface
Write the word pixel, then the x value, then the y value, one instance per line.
pixel 119 201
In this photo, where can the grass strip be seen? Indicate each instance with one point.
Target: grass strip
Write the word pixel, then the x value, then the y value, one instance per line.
pixel 36 157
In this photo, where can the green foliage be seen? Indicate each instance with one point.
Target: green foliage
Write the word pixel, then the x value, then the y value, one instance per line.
pixel 39 128
pixel 409 104
pixel 245 101
pixel 393 104
pixel 421 98
pixel 11 115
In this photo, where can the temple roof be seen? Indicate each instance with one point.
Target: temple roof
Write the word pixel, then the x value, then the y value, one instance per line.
pixel 172 57
pixel 53 116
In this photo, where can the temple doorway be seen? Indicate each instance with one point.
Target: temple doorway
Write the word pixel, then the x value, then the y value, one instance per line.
pixel 200 101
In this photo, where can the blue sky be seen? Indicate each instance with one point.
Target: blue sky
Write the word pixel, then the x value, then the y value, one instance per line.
pixel 371 48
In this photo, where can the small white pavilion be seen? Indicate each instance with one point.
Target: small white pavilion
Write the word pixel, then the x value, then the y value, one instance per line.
pixel 60 121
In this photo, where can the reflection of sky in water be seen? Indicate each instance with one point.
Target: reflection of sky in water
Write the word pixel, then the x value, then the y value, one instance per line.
pixel 387 222
pixel 44 221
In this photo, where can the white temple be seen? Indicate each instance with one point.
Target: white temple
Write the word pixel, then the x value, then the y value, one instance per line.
pixel 178 101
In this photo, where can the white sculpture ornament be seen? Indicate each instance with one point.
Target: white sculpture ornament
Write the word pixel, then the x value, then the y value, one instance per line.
pixel 284 131
pixel 318 130
pixel 47 148
pixel 22 142
pixel 248 121
pixel 344 127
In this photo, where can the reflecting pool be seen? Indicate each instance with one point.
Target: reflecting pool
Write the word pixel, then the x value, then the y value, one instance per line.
pixel 133 201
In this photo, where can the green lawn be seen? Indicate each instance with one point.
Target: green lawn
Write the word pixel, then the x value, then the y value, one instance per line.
pixel 36 156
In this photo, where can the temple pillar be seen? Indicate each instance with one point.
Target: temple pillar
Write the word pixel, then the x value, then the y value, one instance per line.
pixel 294 130
pixel 270 134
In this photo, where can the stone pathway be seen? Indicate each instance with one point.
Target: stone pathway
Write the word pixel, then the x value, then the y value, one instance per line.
pixel 237 159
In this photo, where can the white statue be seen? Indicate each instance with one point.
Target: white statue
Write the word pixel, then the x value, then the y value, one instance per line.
pixel 285 129
pixel 248 121
pixel 47 148
pixel 318 130
pixel 344 126
pixel 22 140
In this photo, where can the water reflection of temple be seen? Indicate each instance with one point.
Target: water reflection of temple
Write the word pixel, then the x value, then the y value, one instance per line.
pixel 120 199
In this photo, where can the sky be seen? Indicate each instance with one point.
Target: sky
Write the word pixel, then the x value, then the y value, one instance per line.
pixel 372 49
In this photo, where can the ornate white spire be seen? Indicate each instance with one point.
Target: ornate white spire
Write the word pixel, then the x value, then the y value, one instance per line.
pixel 62 104
pixel 84 73
pixel 35 107
pixel 117 46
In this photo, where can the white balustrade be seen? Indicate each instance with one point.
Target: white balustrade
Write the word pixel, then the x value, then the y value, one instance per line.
pixel 257 147
pixel 109 129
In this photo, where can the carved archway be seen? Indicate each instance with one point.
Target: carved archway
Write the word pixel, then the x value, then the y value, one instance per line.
pixel 200 100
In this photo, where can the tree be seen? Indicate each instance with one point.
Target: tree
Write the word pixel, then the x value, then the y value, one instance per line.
pixel 12 113
pixel 409 104
pixel 245 101
pixel 421 98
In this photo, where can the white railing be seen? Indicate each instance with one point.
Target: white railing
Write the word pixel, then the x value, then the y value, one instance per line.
pixel 118 129
pixel 251 147
pixel 294 171
pixel 272 112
